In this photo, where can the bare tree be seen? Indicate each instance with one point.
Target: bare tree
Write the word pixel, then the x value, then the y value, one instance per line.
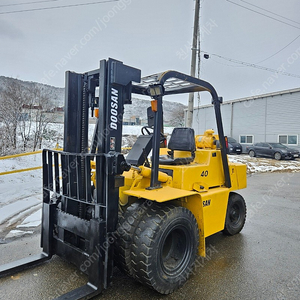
pixel 25 119
pixel 177 117
pixel 42 116
pixel 10 111
pixel 24 111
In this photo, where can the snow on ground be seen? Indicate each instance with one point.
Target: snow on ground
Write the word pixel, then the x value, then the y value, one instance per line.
pixel 30 220
pixel 22 162
pixel 33 220
pixel 21 193
pixel 10 210
pixel 17 233
pixel 262 165
pixel 19 185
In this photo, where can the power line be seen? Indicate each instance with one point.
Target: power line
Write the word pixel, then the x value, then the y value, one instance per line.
pixel 225 64
pixel 56 7
pixel 273 19
pixel 26 3
pixel 279 50
pixel 270 12
pixel 256 66
pixel 257 12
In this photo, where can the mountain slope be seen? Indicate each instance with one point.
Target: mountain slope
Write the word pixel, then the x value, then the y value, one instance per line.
pixel 138 108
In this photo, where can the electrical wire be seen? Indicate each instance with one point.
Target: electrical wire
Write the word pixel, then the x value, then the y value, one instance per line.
pixel 270 12
pixel 26 3
pixel 255 66
pixel 56 7
pixel 273 19
pixel 279 50
pixel 257 12
pixel 225 64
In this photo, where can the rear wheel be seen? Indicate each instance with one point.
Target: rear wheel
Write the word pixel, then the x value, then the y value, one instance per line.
pixel 236 214
pixel 277 156
pixel 252 153
pixel 165 247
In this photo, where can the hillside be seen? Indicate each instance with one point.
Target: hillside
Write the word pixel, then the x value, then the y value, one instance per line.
pixel 137 109
pixel 57 94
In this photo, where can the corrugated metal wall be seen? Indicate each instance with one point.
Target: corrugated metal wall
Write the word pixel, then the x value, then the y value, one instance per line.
pixel 283 116
pixel 249 119
pixel 204 118
pixel 265 118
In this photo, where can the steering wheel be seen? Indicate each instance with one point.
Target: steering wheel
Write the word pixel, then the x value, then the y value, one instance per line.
pixel 146 128
pixel 145 131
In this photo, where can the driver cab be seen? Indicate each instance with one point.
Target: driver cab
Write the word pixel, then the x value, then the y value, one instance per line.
pixel 182 139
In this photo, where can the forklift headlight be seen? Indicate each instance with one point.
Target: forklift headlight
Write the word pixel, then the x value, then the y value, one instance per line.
pixel 156 90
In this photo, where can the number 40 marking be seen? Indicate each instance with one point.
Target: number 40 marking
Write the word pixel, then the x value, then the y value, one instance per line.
pixel 204 173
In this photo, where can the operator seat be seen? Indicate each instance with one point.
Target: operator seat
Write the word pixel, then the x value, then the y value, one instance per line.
pixel 182 139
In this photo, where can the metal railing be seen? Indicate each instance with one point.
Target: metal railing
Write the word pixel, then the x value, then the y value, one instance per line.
pixel 30 153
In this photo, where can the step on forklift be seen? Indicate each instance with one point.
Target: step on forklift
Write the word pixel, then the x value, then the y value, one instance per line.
pixel 148 213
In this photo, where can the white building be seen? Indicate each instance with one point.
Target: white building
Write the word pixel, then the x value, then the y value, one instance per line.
pixel 273 117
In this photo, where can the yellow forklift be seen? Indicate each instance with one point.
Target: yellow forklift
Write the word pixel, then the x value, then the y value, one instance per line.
pixel 149 212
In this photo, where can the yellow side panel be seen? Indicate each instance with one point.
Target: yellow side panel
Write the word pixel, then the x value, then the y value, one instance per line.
pixel 241 171
pixel 238 175
pixel 194 204
pixel 233 177
pixel 163 194
pixel 214 210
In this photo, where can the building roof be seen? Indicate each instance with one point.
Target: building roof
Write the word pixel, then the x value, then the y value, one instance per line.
pixel 255 97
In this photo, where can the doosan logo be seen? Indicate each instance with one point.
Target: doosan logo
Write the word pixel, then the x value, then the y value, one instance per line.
pixel 114 109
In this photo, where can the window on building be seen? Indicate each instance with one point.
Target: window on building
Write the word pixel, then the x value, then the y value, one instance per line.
pixel 246 139
pixel 288 139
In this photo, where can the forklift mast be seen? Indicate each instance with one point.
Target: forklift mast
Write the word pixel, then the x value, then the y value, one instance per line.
pixel 79 219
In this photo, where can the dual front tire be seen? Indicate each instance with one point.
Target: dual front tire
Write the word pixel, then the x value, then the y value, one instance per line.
pixel 162 249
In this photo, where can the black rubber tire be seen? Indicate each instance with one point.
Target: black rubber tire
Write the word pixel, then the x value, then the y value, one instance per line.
pixel 277 156
pixel 252 153
pixel 126 227
pixel 165 247
pixel 236 214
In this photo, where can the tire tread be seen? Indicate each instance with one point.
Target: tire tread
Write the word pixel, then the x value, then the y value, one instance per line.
pixel 143 246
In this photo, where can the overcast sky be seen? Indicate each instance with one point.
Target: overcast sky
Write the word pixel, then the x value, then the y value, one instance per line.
pixel 155 36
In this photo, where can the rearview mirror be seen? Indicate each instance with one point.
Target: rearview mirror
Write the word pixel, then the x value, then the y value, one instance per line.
pixel 150 117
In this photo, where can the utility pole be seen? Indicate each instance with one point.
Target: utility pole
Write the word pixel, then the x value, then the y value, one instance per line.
pixel 189 117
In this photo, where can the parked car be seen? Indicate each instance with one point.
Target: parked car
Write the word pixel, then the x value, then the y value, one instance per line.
pixel 274 150
pixel 234 146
